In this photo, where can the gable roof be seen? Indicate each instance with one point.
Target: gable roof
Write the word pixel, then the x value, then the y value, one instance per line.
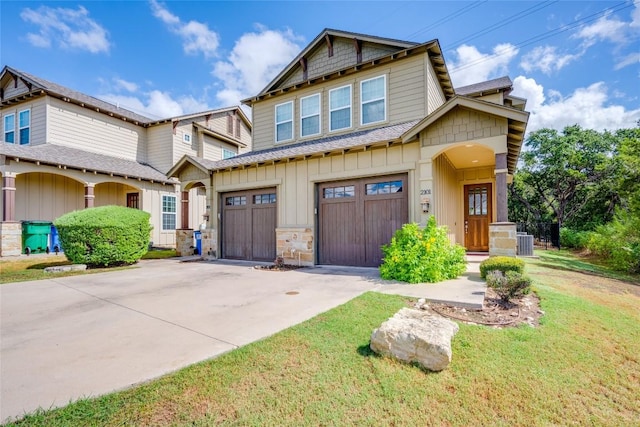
pixel 67 157
pixel 489 86
pixel 402 50
pixel 517 122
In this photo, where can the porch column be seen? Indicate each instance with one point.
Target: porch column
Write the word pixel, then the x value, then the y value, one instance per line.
pixel 89 198
pixel 8 197
pixel 501 187
pixel 185 209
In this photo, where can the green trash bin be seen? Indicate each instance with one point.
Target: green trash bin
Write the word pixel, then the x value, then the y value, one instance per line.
pixel 35 236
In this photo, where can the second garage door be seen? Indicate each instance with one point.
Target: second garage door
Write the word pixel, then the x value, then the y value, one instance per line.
pixel 249 225
pixel 356 217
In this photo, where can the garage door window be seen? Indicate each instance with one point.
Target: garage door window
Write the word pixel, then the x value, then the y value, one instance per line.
pixel 236 201
pixel 264 199
pixel 387 187
pixel 337 192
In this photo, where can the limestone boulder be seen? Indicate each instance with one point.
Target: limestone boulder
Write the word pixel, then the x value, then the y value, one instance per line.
pixel 416 336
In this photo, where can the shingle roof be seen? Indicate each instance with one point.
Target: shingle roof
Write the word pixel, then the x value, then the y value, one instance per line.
pixel 339 142
pixel 487 86
pixel 80 159
pixel 63 91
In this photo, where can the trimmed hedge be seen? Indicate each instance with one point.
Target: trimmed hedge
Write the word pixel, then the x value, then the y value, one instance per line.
pixel 104 236
pixel 501 263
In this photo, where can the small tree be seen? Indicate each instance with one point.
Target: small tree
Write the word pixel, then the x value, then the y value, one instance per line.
pixel 104 236
pixel 426 255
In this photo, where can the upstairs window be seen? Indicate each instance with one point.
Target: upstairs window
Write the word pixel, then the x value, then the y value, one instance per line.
pixel 227 154
pixel 284 122
pixel 10 128
pixel 340 108
pixel 310 115
pixel 168 212
pixel 25 126
pixel 373 98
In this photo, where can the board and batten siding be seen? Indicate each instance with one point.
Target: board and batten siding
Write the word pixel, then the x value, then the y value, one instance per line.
pixel 446 198
pixel 112 193
pixel 406 94
pixel 11 89
pixel 73 126
pixel 38 116
pixel 159 150
pixel 44 196
pixel 295 181
pixel 435 95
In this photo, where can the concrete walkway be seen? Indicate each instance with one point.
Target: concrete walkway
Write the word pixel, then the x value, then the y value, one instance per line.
pixel 67 338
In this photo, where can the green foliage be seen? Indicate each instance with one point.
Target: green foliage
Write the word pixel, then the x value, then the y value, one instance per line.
pixel 574 239
pixel 501 263
pixel 104 236
pixel 418 256
pixel 619 242
pixel 508 285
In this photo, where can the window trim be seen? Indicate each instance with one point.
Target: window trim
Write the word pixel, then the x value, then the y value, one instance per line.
pixel 384 99
pixel 186 138
pixel 293 130
pixel 331 129
pixel 174 213
pixel 224 150
pixel 319 114
pixel 28 127
pixel 4 127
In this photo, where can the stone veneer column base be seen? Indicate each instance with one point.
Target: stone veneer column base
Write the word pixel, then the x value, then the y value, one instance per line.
pixel 184 242
pixel 10 238
pixel 295 245
pixel 209 243
pixel 503 239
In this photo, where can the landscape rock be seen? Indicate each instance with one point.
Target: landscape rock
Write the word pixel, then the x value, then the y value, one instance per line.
pixel 416 336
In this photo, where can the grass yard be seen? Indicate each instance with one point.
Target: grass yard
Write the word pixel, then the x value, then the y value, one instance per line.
pixel 23 268
pixel 580 367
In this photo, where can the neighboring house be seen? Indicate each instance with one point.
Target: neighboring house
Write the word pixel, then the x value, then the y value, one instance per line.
pixel 63 151
pixel 355 137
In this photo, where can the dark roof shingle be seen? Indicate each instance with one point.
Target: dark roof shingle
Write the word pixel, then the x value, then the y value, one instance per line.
pixel 489 85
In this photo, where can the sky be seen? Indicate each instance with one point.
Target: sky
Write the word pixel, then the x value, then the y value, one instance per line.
pixel 576 62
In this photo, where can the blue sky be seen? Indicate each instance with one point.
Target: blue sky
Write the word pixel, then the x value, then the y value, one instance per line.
pixel 575 61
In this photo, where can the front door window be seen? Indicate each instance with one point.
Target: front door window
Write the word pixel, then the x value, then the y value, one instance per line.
pixel 477 216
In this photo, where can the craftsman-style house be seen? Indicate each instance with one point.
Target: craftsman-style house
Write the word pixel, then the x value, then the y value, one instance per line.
pixel 355 137
pixel 62 150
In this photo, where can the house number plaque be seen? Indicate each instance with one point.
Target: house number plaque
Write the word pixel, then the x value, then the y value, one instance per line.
pixel 425 192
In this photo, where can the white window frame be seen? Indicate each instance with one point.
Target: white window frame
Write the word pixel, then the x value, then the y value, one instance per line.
pixel 331 128
pixel 186 138
pixel 174 214
pixel 224 156
pixel 12 120
pixel 278 141
pixel 383 98
pixel 21 128
pixel 319 114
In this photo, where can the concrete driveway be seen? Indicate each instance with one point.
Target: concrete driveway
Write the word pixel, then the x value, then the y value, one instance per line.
pixel 67 338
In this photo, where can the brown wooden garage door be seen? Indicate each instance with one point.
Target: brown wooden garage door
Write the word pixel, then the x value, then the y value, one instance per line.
pixel 356 217
pixel 249 225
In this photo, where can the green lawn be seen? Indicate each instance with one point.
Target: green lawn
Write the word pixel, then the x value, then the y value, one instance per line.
pixel 580 367
pixel 22 269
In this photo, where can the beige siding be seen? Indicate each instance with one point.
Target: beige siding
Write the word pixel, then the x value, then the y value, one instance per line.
pixel 496 98
pixel 406 94
pixel 43 196
pixel 112 193
pixel 152 203
pixel 435 96
pixel 159 147
pixel 73 126
pixel 38 125
pixel 447 198
pixel 197 207
pixel 461 125
pixel 180 148
pixel 11 89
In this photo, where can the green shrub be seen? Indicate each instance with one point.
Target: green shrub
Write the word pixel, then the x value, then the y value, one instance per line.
pixel 574 239
pixel 417 255
pixel 104 236
pixel 501 263
pixel 618 242
pixel 508 285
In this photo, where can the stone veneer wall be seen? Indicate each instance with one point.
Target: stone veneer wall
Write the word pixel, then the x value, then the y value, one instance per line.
pixel 184 242
pixel 10 238
pixel 209 243
pixel 295 245
pixel 503 239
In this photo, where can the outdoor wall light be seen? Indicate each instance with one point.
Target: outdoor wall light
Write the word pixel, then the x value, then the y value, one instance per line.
pixel 425 205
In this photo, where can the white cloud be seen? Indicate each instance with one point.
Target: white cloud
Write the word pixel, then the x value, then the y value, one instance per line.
pixel 632 58
pixel 196 36
pixel 603 29
pixel 588 107
pixel 69 28
pixel 255 60
pixel 128 86
pixel 635 16
pixel 156 104
pixel 470 66
pixel 547 59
